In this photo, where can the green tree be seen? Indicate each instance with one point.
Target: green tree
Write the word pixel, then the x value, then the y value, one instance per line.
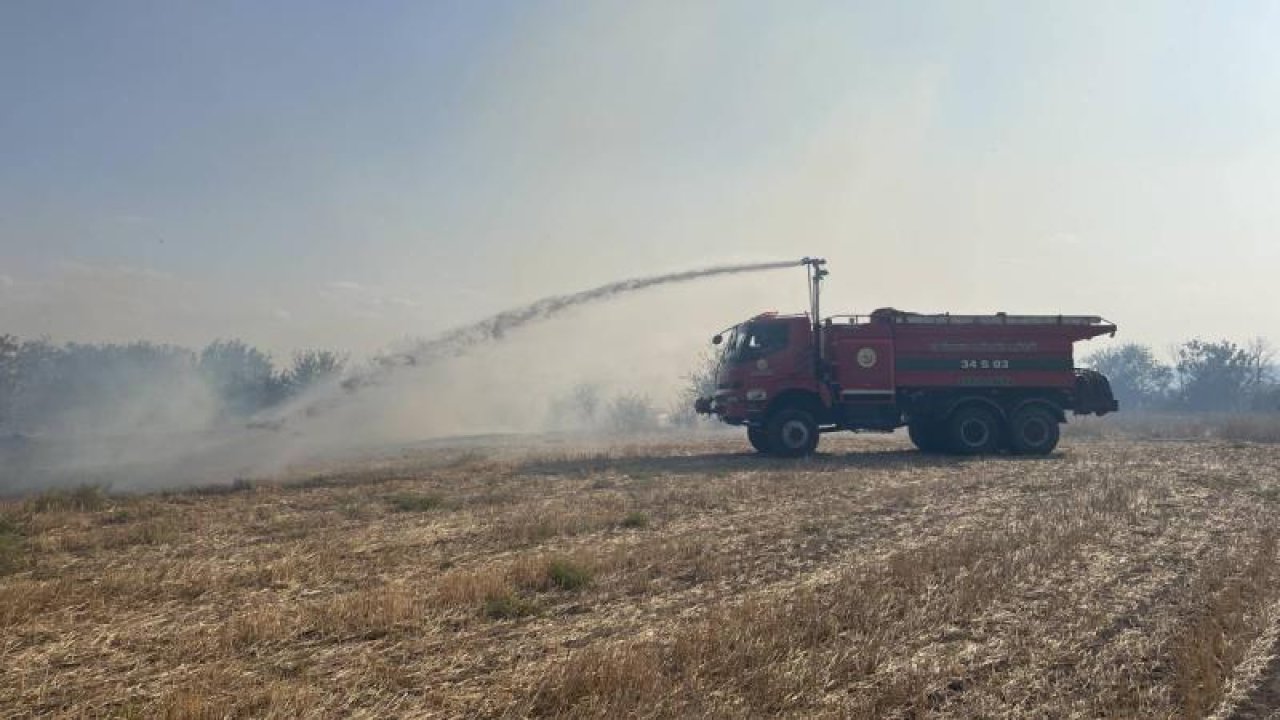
pixel 9 347
pixel 39 375
pixel 310 367
pixel 1137 378
pixel 1262 356
pixel 241 375
pixel 1213 375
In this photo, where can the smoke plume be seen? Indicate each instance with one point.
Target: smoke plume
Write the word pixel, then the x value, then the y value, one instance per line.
pixel 143 447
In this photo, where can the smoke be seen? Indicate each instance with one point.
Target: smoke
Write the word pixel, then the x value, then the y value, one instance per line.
pixel 434 387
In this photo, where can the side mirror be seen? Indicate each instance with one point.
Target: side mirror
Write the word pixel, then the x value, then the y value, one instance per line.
pixel 717 340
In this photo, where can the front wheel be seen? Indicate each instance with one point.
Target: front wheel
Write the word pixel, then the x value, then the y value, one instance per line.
pixel 759 439
pixel 792 433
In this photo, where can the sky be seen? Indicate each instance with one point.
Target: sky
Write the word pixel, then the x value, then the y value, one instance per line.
pixel 345 175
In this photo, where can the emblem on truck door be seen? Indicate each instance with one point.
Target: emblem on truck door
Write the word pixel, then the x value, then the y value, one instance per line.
pixel 867 357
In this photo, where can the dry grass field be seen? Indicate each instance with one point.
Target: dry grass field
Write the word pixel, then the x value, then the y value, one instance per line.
pixel 1119 578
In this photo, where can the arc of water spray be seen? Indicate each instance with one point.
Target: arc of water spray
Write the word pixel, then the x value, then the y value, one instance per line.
pixel 458 341
pixel 461 340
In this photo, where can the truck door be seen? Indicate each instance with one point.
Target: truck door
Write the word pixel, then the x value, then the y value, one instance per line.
pixel 864 368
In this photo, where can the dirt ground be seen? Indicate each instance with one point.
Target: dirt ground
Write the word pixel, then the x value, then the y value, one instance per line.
pixel 663 579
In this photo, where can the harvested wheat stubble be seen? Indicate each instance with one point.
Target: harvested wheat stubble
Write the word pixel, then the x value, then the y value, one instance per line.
pixel 1113 578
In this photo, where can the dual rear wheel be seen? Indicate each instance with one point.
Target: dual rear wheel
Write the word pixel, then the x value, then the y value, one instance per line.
pixel 1033 430
pixel 979 430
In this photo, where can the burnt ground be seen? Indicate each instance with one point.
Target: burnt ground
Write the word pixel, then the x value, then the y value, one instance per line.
pixel 661 579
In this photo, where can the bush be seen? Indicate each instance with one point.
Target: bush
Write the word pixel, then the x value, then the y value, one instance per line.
pixel 13 555
pixel 415 503
pixel 635 519
pixel 1245 427
pixel 568 575
pixel 85 498
pixel 238 485
pixel 631 413
pixel 508 606
pixel 1252 428
pixel 1267 399
pixel 576 410
pixel 699 382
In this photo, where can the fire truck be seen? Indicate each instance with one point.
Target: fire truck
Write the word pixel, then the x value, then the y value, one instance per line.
pixel 965 384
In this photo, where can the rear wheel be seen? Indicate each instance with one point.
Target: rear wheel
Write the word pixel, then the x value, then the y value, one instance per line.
pixel 974 430
pixel 1033 431
pixel 927 435
pixel 792 433
pixel 758 439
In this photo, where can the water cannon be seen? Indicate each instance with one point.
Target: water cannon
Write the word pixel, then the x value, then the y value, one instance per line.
pixel 816 263
pixel 817 271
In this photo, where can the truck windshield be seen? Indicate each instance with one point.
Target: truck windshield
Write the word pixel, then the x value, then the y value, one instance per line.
pixel 752 341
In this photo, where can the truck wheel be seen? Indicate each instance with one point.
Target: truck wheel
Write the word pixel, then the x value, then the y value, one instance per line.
pixel 759 439
pixel 1033 431
pixel 927 435
pixel 974 430
pixel 792 433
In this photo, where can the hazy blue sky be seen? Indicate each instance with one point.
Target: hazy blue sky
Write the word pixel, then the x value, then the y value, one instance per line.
pixel 342 174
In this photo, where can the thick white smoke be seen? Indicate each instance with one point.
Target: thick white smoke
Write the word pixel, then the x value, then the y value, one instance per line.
pixel 429 388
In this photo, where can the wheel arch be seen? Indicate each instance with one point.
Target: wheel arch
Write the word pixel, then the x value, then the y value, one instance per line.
pixel 966 400
pixel 1050 406
pixel 806 400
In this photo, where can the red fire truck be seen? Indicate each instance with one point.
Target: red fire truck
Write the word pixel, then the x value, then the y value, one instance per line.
pixel 968 384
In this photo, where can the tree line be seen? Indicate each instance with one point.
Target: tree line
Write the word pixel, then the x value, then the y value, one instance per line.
pixel 50 387
pixel 1203 376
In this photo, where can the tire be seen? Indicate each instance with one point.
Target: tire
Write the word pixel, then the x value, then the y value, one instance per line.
pixel 792 433
pixel 974 430
pixel 759 440
pixel 1033 430
pixel 927 435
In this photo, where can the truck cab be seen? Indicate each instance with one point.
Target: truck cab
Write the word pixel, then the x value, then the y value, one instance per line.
pixel 758 361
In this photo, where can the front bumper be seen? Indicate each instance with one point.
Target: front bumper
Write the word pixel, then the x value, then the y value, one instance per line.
pixel 730 407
